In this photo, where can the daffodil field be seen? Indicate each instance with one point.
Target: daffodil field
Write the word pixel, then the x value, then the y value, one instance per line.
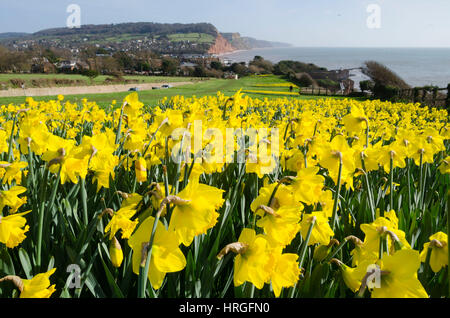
pixel 224 197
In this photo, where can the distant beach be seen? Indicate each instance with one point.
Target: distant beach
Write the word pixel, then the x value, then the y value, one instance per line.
pixel 417 66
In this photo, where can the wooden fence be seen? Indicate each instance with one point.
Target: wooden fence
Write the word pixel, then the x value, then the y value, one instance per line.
pixel 429 95
pixel 319 91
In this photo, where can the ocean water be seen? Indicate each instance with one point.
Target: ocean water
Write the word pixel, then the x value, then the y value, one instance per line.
pixel 417 66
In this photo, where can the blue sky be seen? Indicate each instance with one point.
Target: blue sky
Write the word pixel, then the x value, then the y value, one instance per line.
pixel 404 23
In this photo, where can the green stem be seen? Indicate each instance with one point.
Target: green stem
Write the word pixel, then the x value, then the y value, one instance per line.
pixel 302 253
pixel 369 190
pixel 30 166
pixel 11 139
pixel 391 185
pixel 41 219
pixel 120 125
pixel 336 199
pixel 420 179
pixel 84 200
pixel 424 183
pixel 427 263
pixel 143 270
pixel 381 248
pixel 409 184
pixel 304 156
pixel 54 190
pixel 332 255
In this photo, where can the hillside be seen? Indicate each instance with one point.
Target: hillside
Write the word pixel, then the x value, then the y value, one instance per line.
pixel 164 38
pixel 10 35
pixel 247 43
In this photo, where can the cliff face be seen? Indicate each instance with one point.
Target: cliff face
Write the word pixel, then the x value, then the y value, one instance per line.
pixel 221 46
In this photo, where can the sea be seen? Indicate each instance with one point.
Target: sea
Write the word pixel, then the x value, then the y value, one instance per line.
pixel 416 66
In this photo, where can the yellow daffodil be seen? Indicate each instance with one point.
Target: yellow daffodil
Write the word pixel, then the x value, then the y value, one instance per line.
pixel 121 220
pixel 253 260
pixel 11 198
pixel 439 251
pixel 166 256
pixel 196 212
pixel 321 232
pixel 285 271
pixel 13 228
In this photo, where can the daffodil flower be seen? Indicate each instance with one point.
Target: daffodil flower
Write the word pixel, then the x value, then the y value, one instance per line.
pixel 13 228
pixel 39 286
pixel 253 260
pixel 285 271
pixel 321 232
pixel 196 212
pixel 11 198
pixel 121 220
pixel 439 251
pixel 166 256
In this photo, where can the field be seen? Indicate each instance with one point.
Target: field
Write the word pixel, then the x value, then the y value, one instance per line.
pixel 76 79
pixel 191 37
pixel 203 87
pixel 206 191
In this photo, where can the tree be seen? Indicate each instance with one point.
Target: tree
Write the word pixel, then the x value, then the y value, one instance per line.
pixel 239 68
pixel 263 65
pixel 366 85
pixel 169 66
pixel 91 74
pixel 51 56
pixel 216 65
pixel 199 71
pixel 381 75
pixel 305 80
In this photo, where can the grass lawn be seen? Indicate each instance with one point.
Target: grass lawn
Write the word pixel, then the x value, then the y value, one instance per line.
pixel 99 80
pixel 202 88
pixel 192 37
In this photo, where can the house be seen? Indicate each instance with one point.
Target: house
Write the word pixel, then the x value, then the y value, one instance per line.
pixel 187 68
pixel 42 65
pixel 67 65
pixel 70 66
pixel 187 64
pixel 226 62
pixel 230 75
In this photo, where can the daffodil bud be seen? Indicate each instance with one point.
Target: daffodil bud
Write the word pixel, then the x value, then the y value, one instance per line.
pixel 115 252
pixel 141 170
pixel 320 253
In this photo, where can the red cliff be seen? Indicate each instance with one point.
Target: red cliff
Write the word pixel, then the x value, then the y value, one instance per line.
pixel 221 46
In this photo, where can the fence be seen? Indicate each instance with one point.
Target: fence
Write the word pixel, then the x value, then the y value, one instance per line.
pixel 320 91
pixel 428 95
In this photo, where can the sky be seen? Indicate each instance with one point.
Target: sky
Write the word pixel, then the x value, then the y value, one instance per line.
pixel 313 23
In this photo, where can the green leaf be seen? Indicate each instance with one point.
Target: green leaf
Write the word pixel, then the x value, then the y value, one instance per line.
pixel 51 263
pixel 117 293
pixel 26 263
pixel 6 264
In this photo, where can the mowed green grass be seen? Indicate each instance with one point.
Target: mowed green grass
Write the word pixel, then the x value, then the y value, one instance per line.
pixel 202 88
pixel 192 37
pixel 99 80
